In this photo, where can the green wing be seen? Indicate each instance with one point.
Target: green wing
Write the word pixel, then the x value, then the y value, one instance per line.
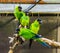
pixel 24 20
pixel 26 33
pixel 35 26
pixel 18 14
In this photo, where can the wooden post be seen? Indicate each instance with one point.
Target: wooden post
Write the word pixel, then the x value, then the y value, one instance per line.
pixel 58 50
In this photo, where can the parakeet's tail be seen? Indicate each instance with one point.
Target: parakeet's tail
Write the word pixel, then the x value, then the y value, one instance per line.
pixel 43 43
pixel 37 39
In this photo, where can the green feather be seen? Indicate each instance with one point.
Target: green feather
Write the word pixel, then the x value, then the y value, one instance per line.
pixel 18 14
pixel 35 26
pixel 24 20
pixel 26 33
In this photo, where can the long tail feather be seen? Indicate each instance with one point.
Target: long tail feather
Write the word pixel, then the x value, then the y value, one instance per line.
pixel 43 43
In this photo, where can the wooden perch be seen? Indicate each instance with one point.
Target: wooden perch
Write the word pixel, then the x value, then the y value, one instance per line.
pixel 51 42
pixel 13 47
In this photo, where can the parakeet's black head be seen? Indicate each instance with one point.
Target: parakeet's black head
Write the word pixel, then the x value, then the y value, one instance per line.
pixel 39 20
pixel 19 8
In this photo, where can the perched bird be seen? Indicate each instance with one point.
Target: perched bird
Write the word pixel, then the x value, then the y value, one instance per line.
pixel 27 34
pixel 21 16
pixel 35 26
pixel 24 20
pixel 18 13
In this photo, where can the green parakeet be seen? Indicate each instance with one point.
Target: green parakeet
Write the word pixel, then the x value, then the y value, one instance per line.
pixel 26 33
pixel 24 20
pixel 18 14
pixel 35 26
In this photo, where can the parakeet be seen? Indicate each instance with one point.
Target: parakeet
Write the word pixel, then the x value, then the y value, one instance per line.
pixel 35 26
pixel 18 13
pixel 20 16
pixel 27 34
pixel 24 20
